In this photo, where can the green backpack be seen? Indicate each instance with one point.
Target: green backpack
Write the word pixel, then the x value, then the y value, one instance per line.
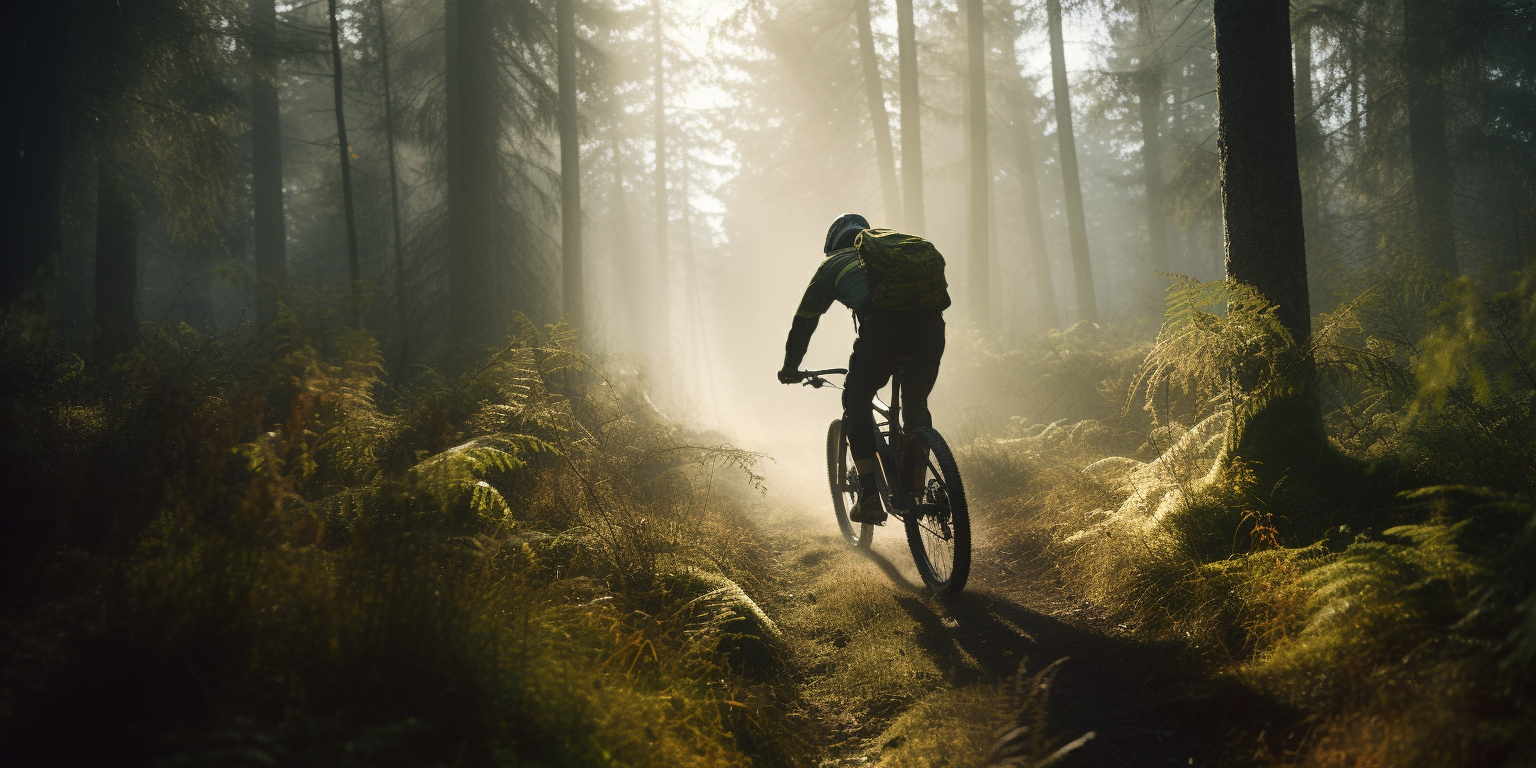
pixel 905 271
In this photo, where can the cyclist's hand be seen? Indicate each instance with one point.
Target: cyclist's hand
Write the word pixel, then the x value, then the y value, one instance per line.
pixel 790 376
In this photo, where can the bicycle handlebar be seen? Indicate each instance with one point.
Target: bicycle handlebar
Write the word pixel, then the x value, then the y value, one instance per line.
pixel 814 378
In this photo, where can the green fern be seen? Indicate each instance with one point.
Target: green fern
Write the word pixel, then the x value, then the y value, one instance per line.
pixel 464 474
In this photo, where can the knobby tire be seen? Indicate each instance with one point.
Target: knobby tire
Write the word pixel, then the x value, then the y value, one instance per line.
pixel 959 559
pixel 857 534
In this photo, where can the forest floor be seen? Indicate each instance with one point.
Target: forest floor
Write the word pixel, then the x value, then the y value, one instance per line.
pixel 895 676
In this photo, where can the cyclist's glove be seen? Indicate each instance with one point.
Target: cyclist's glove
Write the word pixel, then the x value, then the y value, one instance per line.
pixel 789 376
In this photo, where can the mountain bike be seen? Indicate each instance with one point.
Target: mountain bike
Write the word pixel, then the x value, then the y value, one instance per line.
pixel 918 482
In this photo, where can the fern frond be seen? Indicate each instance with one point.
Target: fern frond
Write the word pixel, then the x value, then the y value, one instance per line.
pixel 464 473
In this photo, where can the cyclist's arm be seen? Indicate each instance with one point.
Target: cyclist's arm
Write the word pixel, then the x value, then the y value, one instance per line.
pixel 799 339
pixel 817 300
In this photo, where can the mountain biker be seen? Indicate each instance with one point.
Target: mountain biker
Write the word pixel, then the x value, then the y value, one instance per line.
pixel 884 335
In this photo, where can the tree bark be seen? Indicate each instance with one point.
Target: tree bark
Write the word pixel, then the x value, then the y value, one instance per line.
pixel 1256 140
pixel 978 242
pixel 1077 227
pixel 1428 153
pixel 662 313
pixel 1282 435
pixel 874 93
pixel 269 236
pixel 572 292
pixel 117 264
pixel 354 266
pixel 401 305
pixel 473 164
pixel 911 122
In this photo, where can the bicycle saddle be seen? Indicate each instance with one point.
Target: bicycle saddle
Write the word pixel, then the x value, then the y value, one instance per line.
pixel 900 362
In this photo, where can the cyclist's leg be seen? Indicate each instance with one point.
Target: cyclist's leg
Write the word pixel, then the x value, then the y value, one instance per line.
pixel 925 345
pixel 868 370
pixel 865 377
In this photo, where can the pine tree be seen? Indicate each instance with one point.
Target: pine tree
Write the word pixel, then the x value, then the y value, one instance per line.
pixel 1077 227
pixel 1261 203
pixel 911 122
pixel 572 291
pixel 402 307
pixel 473 174
pixel 270 233
pixel 980 199
pixel 1019 95
pixel 1424 33
pixel 874 93
pixel 354 265
pixel 1149 97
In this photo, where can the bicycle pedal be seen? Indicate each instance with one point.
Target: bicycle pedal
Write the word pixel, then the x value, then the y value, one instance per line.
pixel 880 520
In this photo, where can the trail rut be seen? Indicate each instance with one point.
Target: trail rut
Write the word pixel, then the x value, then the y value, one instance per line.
pixel 876 655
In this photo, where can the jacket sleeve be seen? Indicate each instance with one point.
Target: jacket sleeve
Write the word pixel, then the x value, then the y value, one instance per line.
pixel 817 300
pixel 799 338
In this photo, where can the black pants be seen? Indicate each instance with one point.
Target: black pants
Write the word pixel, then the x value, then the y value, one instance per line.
pixel 883 337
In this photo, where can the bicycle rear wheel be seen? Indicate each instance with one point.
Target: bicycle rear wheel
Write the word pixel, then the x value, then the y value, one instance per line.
pixel 938 520
pixel 845 487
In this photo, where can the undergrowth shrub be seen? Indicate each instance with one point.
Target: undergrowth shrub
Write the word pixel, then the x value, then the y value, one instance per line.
pixel 276 556
pixel 1396 567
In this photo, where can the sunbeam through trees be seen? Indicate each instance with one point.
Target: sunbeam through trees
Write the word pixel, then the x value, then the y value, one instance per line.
pixel 419 383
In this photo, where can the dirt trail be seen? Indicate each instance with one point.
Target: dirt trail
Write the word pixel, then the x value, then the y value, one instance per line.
pixel 873 647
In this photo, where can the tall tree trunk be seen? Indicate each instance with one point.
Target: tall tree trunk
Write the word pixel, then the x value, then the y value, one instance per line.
pixel 911 122
pixel 196 268
pixel 1256 138
pixel 473 188
pixel 354 266
pixel 1149 92
pixel 34 151
pixel 662 292
pixel 1354 107
pixel 270 236
pixel 570 166
pixel 117 264
pixel 1282 436
pixel 1023 135
pixel 1182 259
pixel 1077 226
pixel 1428 153
pixel 874 93
pixel 1309 151
pixel 401 306
pixel 978 243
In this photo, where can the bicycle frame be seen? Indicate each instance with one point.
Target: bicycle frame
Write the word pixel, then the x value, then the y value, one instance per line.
pixel 922 489
pixel 890 447
pixel 890 442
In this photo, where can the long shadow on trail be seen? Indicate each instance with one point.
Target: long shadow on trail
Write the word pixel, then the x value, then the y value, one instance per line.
pixel 1147 702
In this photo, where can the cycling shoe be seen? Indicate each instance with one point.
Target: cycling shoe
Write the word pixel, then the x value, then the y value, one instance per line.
pixel 868 510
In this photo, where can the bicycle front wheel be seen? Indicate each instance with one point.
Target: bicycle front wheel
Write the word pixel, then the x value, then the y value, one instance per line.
pixel 845 487
pixel 938 520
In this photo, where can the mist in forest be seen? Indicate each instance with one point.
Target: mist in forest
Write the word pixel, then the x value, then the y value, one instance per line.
pixel 394 382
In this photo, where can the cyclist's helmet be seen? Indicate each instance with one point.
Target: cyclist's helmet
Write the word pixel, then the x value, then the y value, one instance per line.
pixel 842 231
